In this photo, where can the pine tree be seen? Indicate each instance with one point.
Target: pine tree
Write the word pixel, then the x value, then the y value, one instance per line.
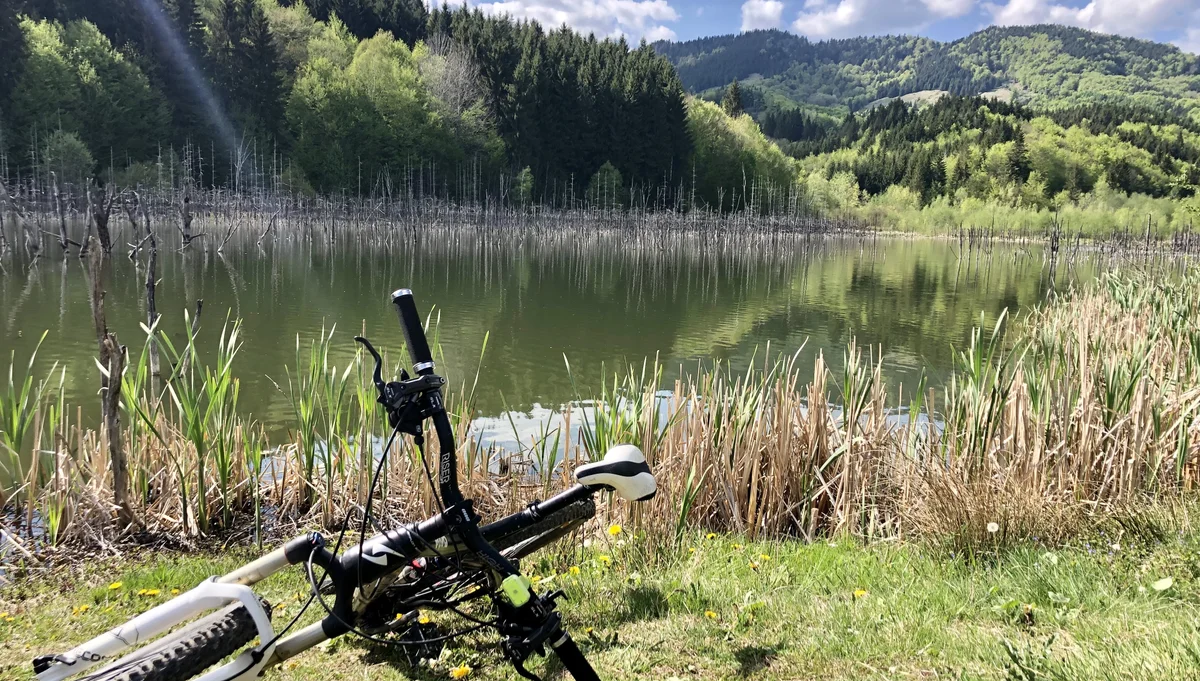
pixel 1018 159
pixel 261 64
pixel 732 101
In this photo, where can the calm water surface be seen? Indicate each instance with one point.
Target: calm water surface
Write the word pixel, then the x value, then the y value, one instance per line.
pixel 600 300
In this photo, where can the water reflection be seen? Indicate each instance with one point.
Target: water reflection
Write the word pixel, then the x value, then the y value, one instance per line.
pixel 599 298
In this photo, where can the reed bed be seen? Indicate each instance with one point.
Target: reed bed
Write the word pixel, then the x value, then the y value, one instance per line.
pixel 1071 415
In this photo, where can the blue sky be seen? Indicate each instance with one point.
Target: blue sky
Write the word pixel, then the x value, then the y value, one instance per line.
pixel 1176 21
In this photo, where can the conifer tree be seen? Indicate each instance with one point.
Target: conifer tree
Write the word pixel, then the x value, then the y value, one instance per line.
pixel 732 101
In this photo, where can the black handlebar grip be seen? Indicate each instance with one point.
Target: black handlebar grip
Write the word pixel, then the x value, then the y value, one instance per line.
pixel 414 334
pixel 572 658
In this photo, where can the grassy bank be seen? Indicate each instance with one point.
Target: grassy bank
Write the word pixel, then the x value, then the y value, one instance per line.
pixel 1117 606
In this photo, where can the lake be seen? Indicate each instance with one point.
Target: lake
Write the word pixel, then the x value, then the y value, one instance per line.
pixel 599 298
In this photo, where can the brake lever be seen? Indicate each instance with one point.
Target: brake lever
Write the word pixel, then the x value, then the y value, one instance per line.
pixel 377 377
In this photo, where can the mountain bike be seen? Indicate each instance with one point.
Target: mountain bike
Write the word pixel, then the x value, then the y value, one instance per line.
pixel 382 584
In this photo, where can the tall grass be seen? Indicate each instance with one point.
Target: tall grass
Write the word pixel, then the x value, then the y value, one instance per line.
pixel 1075 412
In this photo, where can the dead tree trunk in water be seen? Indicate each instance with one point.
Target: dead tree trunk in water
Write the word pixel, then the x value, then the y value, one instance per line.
pixel 185 221
pixel 3 238
pixel 33 241
pixel 63 240
pixel 101 212
pixel 151 284
pixel 113 360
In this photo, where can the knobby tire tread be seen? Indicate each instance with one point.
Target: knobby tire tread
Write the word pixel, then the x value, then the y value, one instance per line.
pixel 194 654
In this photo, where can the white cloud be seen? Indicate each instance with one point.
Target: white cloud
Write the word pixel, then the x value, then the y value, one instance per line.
pixel 758 14
pixel 634 19
pixel 1190 42
pixel 658 33
pixel 845 18
pixel 1140 18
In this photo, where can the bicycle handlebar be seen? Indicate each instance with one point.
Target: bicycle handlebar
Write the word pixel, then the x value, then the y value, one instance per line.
pixel 414 333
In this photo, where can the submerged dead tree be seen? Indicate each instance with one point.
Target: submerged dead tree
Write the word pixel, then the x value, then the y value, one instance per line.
pixel 131 209
pixel 32 240
pixel 100 210
pixel 63 240
pixel 112 359
pixel 185 221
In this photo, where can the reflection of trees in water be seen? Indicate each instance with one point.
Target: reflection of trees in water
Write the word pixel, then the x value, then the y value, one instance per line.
pixel 600 297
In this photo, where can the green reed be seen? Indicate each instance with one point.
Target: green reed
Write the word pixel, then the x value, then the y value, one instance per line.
pixel 19 406
pixel 205 400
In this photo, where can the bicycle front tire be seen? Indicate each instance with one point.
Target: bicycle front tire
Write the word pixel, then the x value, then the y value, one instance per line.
pixel 190 652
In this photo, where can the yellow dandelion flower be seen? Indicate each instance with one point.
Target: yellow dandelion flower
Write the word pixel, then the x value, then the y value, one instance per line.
pixel 614 530
pixel 861 593
pixel 174 592
pixel 423 619
pixel 115 585
pixel 3 615
pixel 764 557
pixel 692 549
pixel 589 630
pixel 737 547
pixel 535 579
pixel 604 559
pixel 460 672
pixel 574 569
pixel 710 614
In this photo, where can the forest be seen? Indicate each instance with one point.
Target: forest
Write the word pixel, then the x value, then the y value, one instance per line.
pixel 1045 65
pixel 375 97
pixel 971 158
pixel 330 96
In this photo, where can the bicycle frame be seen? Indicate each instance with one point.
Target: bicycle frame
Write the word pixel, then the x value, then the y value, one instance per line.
pixel 373 559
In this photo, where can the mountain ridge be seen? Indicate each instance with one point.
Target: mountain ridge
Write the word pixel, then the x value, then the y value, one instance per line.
pixel 1049 64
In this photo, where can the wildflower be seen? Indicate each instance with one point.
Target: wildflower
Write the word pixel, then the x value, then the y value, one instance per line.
pixel 174 592
pixel 115 585
pixel 574 569
pixel 535 579
pixel 753 565
pixel 423 619
pixel 860 593
pixel 80 609
pixel 737 547
pixel 711 535
pixel 461 671
pixel 147 592
pixel 692 549
pixel 604 560
pixel 589 630
pixel 3 615
pixel 764 557
pixel 710 614
pixel 614 530
pixel 993 528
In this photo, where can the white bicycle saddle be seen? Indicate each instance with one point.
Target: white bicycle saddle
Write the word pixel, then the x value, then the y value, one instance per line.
pixel 624 469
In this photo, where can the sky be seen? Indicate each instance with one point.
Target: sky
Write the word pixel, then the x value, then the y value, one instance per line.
pixel 1175 21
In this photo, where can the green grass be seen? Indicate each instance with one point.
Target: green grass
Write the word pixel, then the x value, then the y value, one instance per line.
pixel 720 609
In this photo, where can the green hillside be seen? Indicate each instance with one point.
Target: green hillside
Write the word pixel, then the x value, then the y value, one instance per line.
pixel 1043 65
